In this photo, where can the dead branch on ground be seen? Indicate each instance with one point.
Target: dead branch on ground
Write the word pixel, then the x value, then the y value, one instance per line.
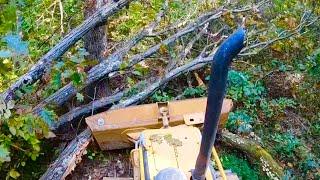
pixel 44 64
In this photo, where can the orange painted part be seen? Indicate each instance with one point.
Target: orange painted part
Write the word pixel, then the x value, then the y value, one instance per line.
pixel 111 128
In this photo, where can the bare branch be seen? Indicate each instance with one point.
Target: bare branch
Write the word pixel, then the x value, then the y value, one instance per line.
pixel 282 35
pixel 44 64
pixel 112 63
pixel 65 120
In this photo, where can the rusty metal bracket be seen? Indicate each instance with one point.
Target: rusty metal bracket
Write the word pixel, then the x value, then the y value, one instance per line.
pixel 164 113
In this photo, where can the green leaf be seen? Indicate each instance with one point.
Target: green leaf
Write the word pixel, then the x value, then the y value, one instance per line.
pixel 66 74
pixel 19 94
pixel 14 174
pixel 4 154
pixel 76 79
pixel 13 130
pixel 7 113
pixel 48 116
pixel 56 81
pixel 80 97
pixel 138 73
pixel 59 65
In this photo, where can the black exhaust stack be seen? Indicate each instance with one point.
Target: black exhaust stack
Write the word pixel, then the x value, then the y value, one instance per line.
pixel 217 87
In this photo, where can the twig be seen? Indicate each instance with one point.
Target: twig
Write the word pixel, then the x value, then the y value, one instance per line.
pixel 282 35
pixel 61 16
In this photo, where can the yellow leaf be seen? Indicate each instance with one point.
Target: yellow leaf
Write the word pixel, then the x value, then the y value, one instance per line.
pixel 14 174
pixel 49 135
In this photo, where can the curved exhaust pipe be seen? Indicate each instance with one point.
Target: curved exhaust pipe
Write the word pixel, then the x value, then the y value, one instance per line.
pixel 217 88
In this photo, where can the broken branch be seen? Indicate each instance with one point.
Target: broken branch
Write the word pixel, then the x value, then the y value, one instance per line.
pixel 111 64
pixel 44 64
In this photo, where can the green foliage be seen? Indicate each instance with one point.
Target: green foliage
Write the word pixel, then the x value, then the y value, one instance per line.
pixel 5 109
pixel 12 53
pixel 285 145
pixel 19 141
pixel 239 122
pixel 80 97
pixel 140 70
pixel 192 92
pixel 240 166
pixel 242 89
pixel 131 20
pixel 309 90
pixel 310 163
pixel 161 96
pixel 276 107
pixel 15 45
pixel 7 16
pixel 4 154
pixel 48 116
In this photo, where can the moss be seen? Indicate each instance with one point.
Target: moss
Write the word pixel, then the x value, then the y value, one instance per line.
pixel 256 154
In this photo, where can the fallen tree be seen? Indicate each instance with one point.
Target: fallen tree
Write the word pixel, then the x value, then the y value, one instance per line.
pixel 255 152
pixel 44 64
pixel 114 61
pixel 111 64
pixel 202 60
pixel 69 158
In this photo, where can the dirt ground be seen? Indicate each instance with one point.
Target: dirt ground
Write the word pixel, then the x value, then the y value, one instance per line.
pixel 104 164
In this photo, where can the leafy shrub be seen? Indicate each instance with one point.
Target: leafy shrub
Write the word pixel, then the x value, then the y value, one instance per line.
pixel 161 96
pixel 310 164
pixel 309 90
pixel 285 145
pixel 276 107
pixel 19 142
pixel 198 91
pixel 241 89
pixel 239 122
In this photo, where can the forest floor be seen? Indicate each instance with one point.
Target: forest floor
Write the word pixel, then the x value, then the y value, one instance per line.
pixel 96 165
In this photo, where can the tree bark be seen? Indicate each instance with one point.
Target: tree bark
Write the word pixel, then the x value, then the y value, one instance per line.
pixel 68 159
pixel 95 43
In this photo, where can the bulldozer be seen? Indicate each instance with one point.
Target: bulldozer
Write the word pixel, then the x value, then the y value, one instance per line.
pixel 166 136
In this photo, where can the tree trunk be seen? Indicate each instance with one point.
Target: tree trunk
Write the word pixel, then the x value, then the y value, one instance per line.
pixel 95 42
